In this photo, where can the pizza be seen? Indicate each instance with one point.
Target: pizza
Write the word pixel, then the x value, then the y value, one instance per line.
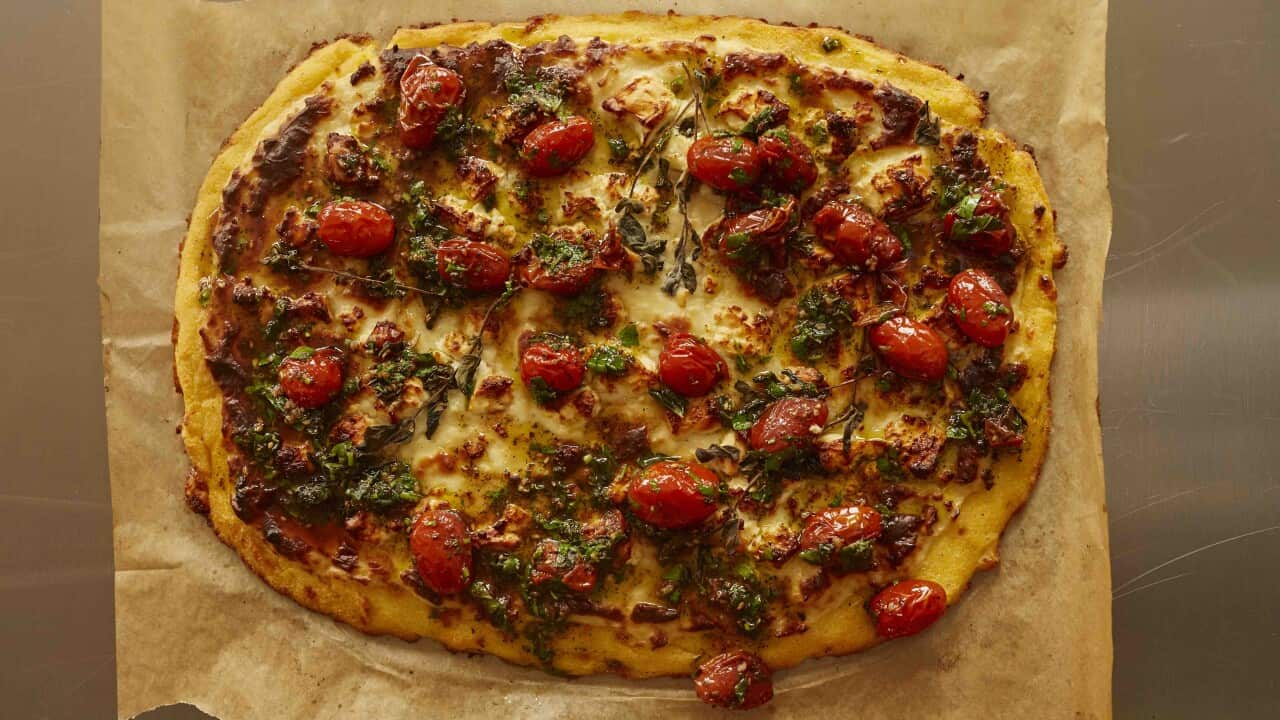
pixel 648 345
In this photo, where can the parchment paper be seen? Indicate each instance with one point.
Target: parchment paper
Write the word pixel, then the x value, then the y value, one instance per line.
pixel 1031 639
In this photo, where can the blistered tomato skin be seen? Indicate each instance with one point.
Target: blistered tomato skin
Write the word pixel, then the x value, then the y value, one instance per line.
pixel 575 573
pixel 355 228
pixel 980 307
pixel 553 148
pixel 911 349
pixel 908 607
pixel 996 241
pixel 563 278
pixel 788 423
pixel 441 547
pixel 690 366
pixel 313 381
pixel 856 237
pixel 728 164
pixel 427 92
pixel 787 161
pixel 561 367
pixel 472 265
pixel 841 526
pixel 738 680
pixel 674 495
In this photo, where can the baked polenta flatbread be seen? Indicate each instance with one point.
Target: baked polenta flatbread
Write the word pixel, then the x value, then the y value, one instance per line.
pixel 651 345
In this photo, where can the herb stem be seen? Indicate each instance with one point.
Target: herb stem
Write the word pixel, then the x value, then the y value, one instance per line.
pixel 369 280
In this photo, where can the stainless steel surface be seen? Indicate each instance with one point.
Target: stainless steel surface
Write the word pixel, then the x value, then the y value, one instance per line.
pixel 1189 373
pixel 1190 380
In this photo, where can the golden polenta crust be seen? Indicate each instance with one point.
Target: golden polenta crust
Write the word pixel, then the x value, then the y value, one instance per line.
pixel 840 624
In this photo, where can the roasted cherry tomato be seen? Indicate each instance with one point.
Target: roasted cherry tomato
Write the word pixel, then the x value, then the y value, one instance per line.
pixel 355 228
pixel 841 526
pixel 912 349
pixel 552 562
pixel 427 91
pixel 559 365
pixel 314 380
pixel 788 423
pixel 672 494
pixel 472 265
pixel 690 366
pixel 908 607
pixel 960 224
pixel 856 237
pixel 560 266
pixel 738 680
pixel 788 162
pixel 441 550
pixel 980 307
pixel 761 234
pixel 554 147
pixel 728 164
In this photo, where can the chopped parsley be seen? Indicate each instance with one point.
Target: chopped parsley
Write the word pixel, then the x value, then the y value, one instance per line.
pixel 824 314
pixel 609 360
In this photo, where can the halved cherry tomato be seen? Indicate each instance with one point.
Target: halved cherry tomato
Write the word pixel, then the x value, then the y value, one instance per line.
pixel 355 228
pixel 788 423
pixel 552 563
pixel 559 365
pixel 841 526
pixel 560 266
pixel 312 381
pixel 912 349
pixel 788 162
pixel 992 241
pixel 441 549
pixel 908 607
pixel 472 265
pixel 728 164
pixel 554 147
pixel 672 494
pixel 980 307
pixel 427 91
pixel 690 366
pixel 738 680
pixel 856 237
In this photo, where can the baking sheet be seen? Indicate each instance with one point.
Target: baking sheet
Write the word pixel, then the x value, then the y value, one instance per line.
pixel 193 624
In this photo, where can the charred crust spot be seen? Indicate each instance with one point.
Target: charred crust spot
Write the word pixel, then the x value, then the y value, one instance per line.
pixel 844 134
pixel 311 306
pixel 1060 257
pixel 346 557
pixel 736 64
pixel 280 160
pixel 480 180
pixel 629 442
pixel 964 155
pixel 901 115
pixel 196 492
pixel 363 72
pixel 921 455
pixel 899 536
pixel 284 543
pixel 494 387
